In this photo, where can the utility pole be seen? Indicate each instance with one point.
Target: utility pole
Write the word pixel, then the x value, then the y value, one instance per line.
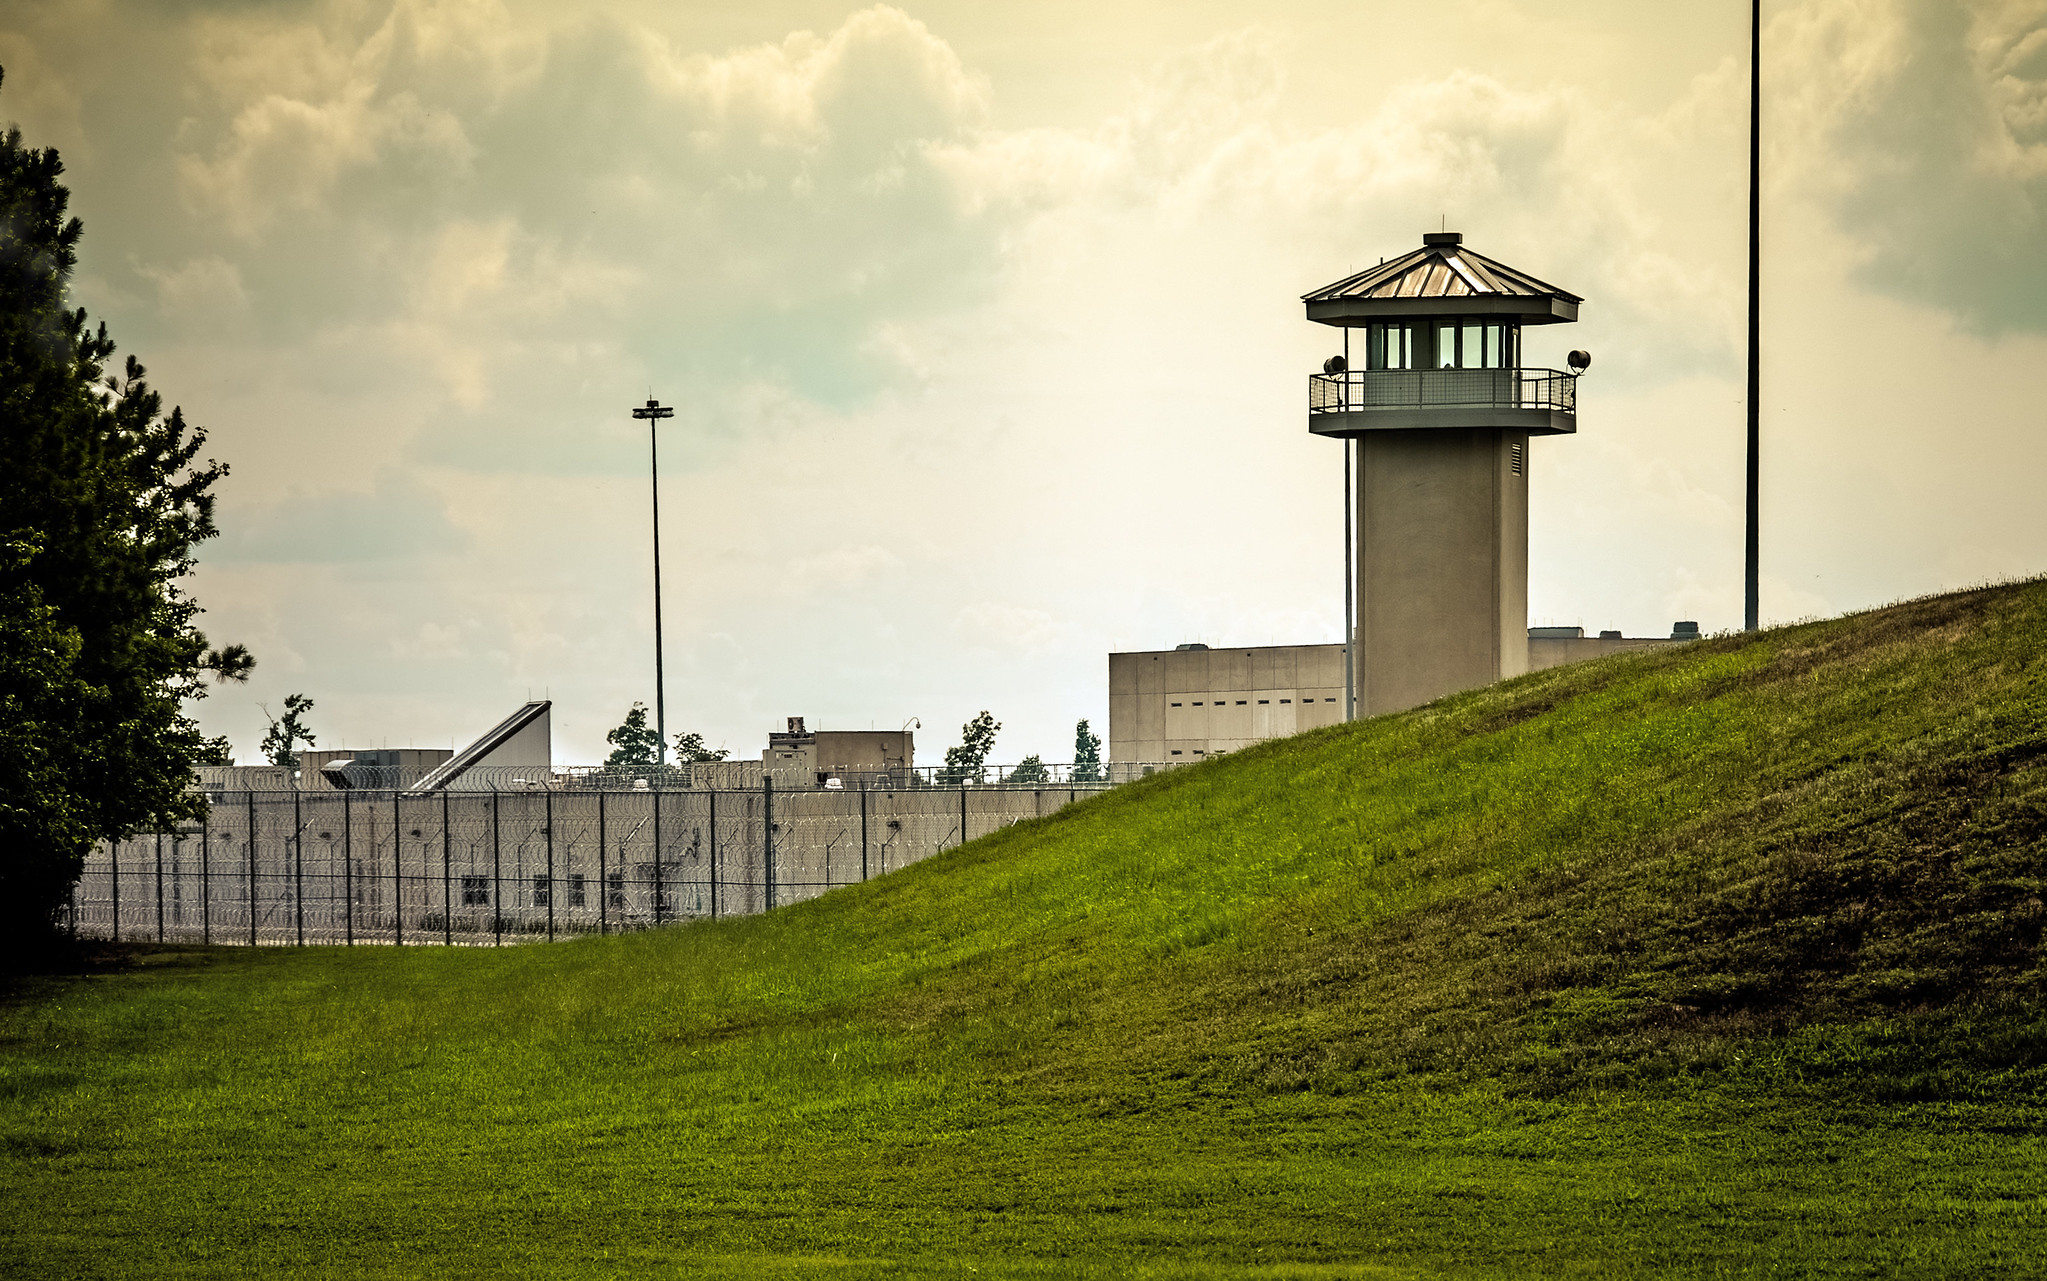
pixel 653 411
pixel 1751 612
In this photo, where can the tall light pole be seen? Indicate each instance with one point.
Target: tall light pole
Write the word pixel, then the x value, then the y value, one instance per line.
pixel 1751 618
pixel 654 411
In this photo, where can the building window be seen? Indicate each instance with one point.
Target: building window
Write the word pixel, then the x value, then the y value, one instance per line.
pixel 1197 704
pixel 615 889
pixel 1328 700
pixel 1176 751
pixel 1263 701
pixel 476 891
pixel 543 892
pixel 1389 347
pixel 577 897
pixel 1176 704
pixel 1240 702
pixel 1514 458
pixel 1286 700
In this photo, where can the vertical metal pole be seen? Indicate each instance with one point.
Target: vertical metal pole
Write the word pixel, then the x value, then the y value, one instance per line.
pixel 1751 594
pixel 447 878
pixel 548 815
pixel 206 879
pixel 863 831
pixel 768 835
pixel 714 849
pixel 660 685
pixel 963 813
pixel 114 854
pixel 251 795
pixel 657 852
pixel 159 887
pixel 298 869
pixel 497 877
pixel 347 869
pixel 603 881
pixel 397 869
pixel 1350 582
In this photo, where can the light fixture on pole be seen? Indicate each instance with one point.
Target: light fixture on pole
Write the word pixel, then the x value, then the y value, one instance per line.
pixel 653 411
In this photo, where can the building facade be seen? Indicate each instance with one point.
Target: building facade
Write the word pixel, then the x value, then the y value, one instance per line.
pixel 1186 704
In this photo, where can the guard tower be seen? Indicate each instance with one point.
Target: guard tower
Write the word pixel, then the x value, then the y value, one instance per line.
pixel 1434 394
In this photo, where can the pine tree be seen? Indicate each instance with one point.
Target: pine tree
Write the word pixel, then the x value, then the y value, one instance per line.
pixel 102 503
pixel 1031 769
pixel 1087 754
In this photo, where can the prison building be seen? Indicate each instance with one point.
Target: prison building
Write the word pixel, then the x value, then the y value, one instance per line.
pixel 802 757
pixel 1185 704
pixel 1555 646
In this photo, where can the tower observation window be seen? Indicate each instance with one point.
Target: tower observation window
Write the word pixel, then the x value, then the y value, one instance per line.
pixel 1389 347
pixel 1473 344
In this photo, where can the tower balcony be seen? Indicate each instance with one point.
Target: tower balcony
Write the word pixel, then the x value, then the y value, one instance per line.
pixel 1540 402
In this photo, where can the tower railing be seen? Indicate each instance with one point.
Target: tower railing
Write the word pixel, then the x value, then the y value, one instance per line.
pixel 1363 390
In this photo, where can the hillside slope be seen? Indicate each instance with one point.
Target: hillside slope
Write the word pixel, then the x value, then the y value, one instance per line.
pixel 1712 960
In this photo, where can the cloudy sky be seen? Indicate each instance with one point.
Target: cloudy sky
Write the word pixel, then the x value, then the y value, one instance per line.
pixel 982 324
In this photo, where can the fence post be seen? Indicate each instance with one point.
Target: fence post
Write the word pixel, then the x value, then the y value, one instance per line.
pixel 206 878
pixel 250 796
pixel 656 789
pixel 159 887
pixel 397 868
pixel 603 881
pixel 548 814
pixel 497 877
pixel 714 847
pixel 863 831
pixel 347 870
pixel 963 813
pixel 114 855
pixel 298 867
pixel 768 835
pixel 447 876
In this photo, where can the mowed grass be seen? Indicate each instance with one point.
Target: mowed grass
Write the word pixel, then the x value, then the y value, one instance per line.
pixel 1720 961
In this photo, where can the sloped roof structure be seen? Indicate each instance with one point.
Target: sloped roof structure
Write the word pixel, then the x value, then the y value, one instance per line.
pixel 1442 278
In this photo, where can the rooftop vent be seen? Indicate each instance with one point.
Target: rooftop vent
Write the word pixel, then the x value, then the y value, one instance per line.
pixel 1181 649
pixel 1556 633
pixel 1684 631
pixel 1609 636
pixel 796 725
pixel 1443 238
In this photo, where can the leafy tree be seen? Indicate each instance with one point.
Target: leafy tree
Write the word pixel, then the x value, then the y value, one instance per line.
pixel 1087 754
pixel 287 731
pixel 968 763
pixel 101 506
pixel 633 743
pixel 1031 769
pixel 691 747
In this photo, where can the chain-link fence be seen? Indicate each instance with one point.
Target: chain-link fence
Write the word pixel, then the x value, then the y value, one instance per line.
pixel 492 867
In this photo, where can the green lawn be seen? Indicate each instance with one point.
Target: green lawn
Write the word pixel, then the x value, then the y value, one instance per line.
pixel 1720 961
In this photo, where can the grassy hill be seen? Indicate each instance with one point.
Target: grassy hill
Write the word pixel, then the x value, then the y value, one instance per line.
pixel 1722 960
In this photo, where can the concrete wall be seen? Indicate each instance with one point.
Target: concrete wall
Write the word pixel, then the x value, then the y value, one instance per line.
pixel 470 868
pixel 1442 564
pixel 1182 705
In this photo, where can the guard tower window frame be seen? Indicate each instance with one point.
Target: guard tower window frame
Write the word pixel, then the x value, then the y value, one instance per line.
pixel 1475 342
pixel 1390 346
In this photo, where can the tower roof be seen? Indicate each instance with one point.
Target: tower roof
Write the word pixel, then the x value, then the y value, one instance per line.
pixel 1442 278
